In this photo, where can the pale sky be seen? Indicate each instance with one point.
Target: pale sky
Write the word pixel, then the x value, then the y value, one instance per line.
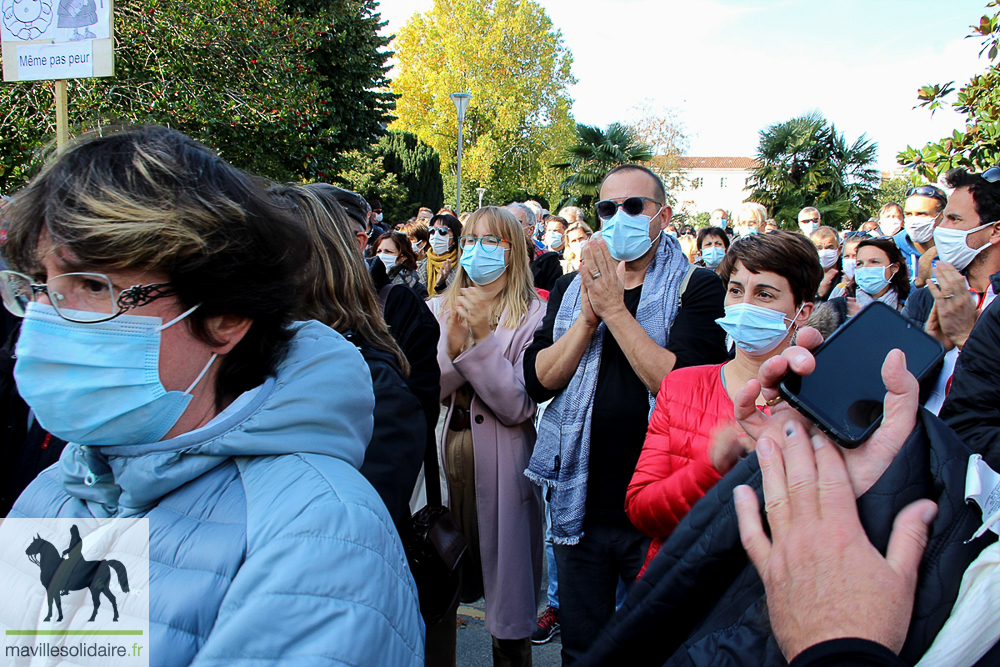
pixel 732 67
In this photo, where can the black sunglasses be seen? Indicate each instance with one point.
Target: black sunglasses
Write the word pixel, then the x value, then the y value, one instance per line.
pixel 633 206
pixel 934 193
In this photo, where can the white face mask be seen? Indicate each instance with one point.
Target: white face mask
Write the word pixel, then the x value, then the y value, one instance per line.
pixel 378 217
pixel 849 265
pixel 808 227
pixel 827 258
pixel 388 260
pixel 953 246
pixel 439 244
pixel 890 226
pixel 920 227
pixel 416 247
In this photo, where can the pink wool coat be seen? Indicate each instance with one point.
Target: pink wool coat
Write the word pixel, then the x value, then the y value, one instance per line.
pixel 503 437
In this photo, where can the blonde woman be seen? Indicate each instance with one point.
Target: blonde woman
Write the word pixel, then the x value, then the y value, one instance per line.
pixel 488 317
pixel 750 219
pixel 577 234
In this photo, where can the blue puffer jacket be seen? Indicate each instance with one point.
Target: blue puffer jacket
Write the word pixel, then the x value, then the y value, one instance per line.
pixel 267 546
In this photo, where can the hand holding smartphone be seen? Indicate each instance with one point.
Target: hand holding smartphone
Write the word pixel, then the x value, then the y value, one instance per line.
pixel 844 395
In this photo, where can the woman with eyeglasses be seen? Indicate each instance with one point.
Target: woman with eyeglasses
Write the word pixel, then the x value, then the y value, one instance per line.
pixel 158 287
pixel 488 318
pixel 880 274
pixel 442 255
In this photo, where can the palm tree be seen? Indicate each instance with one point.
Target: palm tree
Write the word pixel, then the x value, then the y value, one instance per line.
pixel 595 153
pixel 806 162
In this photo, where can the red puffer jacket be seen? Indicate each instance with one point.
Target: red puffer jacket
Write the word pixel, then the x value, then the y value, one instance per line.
pixel 674 469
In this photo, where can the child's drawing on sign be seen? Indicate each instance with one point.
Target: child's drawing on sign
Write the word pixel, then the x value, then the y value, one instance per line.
pixel 26 19
pixel 77 14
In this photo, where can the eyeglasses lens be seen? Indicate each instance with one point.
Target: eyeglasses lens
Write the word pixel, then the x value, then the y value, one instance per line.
pixel 78 297
pixel 15 289
pixel 443 231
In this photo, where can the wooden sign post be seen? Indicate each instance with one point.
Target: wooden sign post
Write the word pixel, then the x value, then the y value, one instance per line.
pixel 56 40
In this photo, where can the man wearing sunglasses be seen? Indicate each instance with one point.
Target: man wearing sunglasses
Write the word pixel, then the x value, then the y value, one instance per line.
pixel 636 310
pixel 967 275
pixel 923 210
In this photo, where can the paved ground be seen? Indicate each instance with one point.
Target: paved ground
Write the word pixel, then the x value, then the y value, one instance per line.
pixel 475 647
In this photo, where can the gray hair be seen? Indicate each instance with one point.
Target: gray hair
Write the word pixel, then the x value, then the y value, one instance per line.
pixel 528 212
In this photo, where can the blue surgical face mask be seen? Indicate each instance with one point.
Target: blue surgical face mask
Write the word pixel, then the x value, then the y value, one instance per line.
pixel 553 240
pixel 712 256
pixel 756 330
pixel 871 279
pixel 97 383
pixel 627 236
pixel 484 266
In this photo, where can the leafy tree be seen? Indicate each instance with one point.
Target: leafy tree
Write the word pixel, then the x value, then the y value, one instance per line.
pixel 664 133
pixel 593 155
pixel 417 167
pixel 508 55
pixel 236 75
pixel 348 62
pixel 893 190
pixel 365 173
pixel 806 162
pixel 978 148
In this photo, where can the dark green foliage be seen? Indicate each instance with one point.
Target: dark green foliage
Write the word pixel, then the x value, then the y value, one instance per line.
pixel 806 162
pixel 593 155
pixel 278 91
pixel 417 167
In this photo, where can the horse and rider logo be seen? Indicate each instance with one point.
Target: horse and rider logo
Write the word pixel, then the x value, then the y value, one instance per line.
pixel 67 572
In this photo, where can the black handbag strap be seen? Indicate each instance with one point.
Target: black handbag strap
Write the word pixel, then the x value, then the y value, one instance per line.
pixel 431 471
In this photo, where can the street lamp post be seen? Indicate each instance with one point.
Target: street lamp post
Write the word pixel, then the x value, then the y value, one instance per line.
pixel 461 101
pixel 481 192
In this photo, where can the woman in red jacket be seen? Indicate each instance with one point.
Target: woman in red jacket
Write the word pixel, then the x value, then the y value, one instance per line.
pixel 770 283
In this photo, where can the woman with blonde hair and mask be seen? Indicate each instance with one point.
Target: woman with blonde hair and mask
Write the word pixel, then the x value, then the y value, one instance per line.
pixel 488 318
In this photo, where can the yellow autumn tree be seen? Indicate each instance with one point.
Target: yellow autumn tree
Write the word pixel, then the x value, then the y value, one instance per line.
pixel 510 57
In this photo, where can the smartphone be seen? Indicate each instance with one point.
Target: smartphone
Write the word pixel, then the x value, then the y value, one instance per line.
pixel 844 396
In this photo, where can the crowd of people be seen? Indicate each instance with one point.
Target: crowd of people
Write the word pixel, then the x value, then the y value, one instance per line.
pixel 262 370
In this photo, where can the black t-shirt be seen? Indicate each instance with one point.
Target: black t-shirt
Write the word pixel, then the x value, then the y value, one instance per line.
pixel 620 413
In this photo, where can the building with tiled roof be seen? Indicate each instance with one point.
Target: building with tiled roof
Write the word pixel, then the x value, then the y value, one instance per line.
pixel 708 183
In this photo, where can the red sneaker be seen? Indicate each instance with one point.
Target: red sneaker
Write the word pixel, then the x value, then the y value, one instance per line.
pixel 548 626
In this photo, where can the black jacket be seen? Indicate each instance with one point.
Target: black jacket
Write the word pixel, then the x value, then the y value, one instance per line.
pixel 972 407
pixel 416 331
pixel 25 450
pixel 702 603
pixel 399 436
pixel 546 269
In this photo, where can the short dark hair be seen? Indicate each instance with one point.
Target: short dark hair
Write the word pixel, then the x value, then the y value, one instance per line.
pixel 661 192
pixel 985 195
pixel 152 198
pixel 792 256
pixel 901 279
pixel 375 203
pixel 717 232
